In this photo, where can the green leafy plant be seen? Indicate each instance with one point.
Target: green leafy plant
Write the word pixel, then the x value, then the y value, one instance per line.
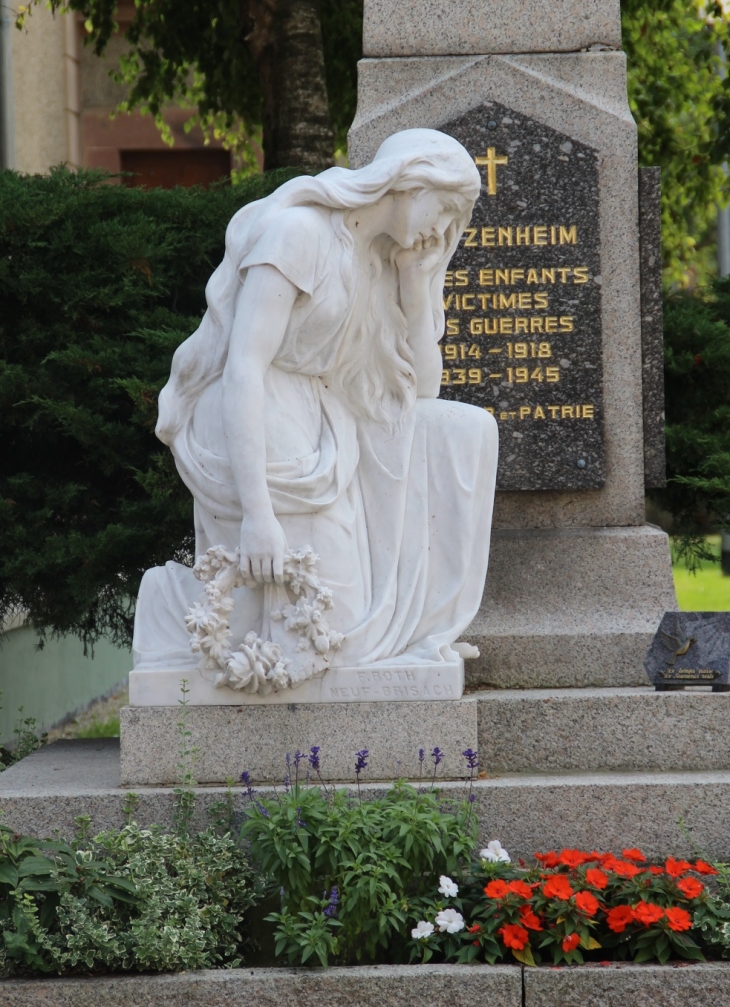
pixel 189 754
pixel 129 899
pixel 25 741
pixel 347 868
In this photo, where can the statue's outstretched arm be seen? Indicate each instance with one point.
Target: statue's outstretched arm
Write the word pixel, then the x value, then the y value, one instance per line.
pixel 262 315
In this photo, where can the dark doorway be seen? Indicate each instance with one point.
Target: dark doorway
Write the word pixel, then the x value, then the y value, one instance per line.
pixel 168 168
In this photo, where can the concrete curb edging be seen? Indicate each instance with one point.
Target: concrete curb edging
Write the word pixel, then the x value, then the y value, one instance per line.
pixel 676 985
pixel 379 985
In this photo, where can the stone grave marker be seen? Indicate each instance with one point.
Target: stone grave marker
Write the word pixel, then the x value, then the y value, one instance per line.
pixel 691 648
pixel 523 301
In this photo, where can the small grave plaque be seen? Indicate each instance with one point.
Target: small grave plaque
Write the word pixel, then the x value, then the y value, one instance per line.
pixel 523 301
pixel 691 648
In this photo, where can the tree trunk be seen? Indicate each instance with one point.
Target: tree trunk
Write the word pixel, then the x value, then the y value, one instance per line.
pixel 285 39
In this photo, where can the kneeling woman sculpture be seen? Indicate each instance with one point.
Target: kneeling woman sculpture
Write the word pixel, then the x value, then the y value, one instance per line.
pixel 342 511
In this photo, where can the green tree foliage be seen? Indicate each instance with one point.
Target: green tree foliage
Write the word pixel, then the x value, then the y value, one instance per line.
pixel 98 286
pixel 697 376
pixel 682 109
pixel 232 61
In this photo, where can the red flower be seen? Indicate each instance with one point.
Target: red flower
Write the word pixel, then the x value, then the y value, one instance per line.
pixel 587 903
pixel 572 858
pixel 475 929
pixel 678 919
pixel 571 942
pixel 634 854
pixel 557 887
pixel 690 887
pixel 596 877
pixel 704 868
pixel 619 918
pixel 548 859
pixel 624 869
pixel 655 870
pixel 647 913
pixel 497 889
pixel 520 888
pixel 676 867
pixel 514 936
pixel 529 919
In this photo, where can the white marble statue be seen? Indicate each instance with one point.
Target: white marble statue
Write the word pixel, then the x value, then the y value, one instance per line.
pixel 342 511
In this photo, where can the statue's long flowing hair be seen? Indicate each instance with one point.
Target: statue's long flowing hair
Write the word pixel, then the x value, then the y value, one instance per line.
pixel 373 369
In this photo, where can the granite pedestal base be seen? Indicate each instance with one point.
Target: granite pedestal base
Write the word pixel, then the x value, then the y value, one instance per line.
pixel 568 607
pixel 257 738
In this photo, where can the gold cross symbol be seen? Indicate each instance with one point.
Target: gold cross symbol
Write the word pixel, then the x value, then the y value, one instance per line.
pixel 491 161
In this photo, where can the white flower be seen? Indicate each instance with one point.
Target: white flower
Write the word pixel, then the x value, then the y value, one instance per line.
pixel 447 887
pixel 450 921
pixel 495 853
pixel 422 930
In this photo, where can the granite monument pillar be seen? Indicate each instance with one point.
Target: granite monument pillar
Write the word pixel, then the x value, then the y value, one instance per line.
pixel 543 318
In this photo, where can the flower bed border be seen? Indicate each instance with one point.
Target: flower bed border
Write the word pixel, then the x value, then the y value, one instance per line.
pixel 615 985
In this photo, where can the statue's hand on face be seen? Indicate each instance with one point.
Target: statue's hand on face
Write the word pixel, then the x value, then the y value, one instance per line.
pixel 263 545
pixel 418 220
pixel 422 256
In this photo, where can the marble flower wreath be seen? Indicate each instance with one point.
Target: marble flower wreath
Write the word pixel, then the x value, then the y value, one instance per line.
pixel 259 666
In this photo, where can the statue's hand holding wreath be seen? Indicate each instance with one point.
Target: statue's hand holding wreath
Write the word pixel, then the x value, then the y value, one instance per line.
pixel 263 544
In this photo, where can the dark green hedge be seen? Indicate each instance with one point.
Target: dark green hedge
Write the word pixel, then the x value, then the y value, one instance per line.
pixel 697 389
pixel 98 285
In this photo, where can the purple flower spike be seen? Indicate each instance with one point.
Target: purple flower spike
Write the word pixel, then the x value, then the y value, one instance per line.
pixel 246 778
pixel 438 756
pixel 472 758
pixel 314 757
pixel 331 908
pixel 421 755
pixel 298 757
pixel 362 761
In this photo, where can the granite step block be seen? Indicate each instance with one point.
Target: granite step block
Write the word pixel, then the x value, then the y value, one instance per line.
pixel 559 730
pixel 527 812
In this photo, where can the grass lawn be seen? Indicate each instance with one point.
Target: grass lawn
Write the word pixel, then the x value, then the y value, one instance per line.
pixel 707 590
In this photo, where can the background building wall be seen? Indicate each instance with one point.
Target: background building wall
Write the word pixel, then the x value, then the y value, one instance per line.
pixel 40 92
pixel 52 683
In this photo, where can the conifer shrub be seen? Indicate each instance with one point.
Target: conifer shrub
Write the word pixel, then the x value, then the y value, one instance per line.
pixel 697 391
pixel 99 283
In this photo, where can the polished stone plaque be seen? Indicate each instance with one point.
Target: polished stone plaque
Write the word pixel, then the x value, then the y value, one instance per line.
pixel 522 300
pixel 690 648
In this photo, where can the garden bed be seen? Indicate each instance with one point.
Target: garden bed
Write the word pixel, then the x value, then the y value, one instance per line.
pixel 697 985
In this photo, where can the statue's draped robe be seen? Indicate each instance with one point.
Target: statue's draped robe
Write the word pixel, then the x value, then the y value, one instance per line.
pixel 399 516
